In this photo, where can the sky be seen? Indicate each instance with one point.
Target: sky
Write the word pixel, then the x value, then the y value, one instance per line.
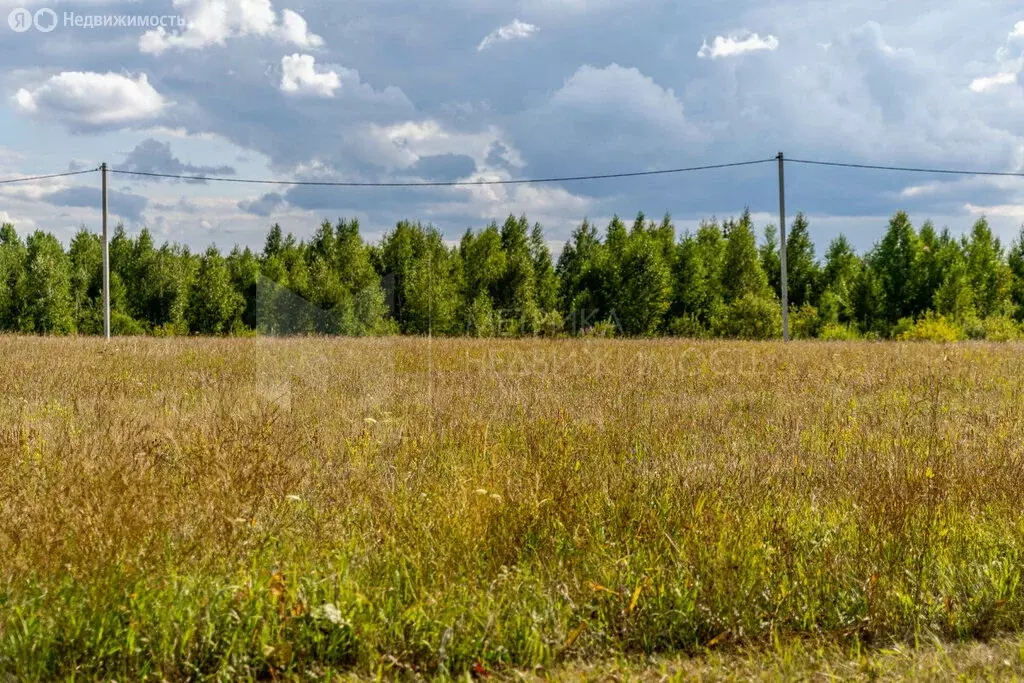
pixel 460 90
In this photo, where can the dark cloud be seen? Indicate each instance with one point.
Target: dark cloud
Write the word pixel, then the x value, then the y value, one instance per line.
pixel 153 156
pixel 262 206
pixel 443 168
pixel 124 204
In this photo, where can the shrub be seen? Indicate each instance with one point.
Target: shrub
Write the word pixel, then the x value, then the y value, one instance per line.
pixel 932 328
pixel 837 332
pixel 689 327
pixel 123 325
pixel 552 324
pixel 805 322
pixel 751 317
pixel 606 329
pixel 903 327
pixel 974 328
pixel 1002 329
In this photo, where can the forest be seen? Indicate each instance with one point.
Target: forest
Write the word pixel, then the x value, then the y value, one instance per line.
pixel 638 280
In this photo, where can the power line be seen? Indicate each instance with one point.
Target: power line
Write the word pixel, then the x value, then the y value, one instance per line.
pixel 46 177
pixel 461 183
pixel 906 169
pixel 523 181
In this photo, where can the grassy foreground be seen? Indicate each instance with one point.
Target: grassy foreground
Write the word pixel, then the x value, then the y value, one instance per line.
pixel 183 509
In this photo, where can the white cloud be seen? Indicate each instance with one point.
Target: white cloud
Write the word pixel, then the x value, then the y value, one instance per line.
pixel 213 22
pixel 92 99
pixel 989 82
pixel 1015 211
pixel 735 45
pixel 404 144
pixel 517 30
pixel 299 75
pixel 1018 30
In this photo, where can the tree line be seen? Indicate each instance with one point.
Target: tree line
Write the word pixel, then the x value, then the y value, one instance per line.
pixel 633 280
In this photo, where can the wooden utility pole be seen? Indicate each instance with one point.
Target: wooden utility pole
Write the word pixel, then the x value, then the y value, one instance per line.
pixel 782 247
pixel 106 259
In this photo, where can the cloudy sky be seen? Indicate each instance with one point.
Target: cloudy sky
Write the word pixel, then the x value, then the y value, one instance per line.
pixel 445 90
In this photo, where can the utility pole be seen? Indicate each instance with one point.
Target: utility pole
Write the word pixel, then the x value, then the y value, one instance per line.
pixel 106 259
pixel 782 247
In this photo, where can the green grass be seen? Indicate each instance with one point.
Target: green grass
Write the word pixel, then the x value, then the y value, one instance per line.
pixel 186 509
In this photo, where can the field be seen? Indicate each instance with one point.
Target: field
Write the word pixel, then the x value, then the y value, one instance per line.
pixel 183 509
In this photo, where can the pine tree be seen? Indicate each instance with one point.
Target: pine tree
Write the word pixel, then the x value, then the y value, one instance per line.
pixel 742 262
pixel 987 272
pixel 579 277
pixel 932 272
pixel 838 283
pixel 801 266
pixel 545 278
pixel 954 297
pixel 897 262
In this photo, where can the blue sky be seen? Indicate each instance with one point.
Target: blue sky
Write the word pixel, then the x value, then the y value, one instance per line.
pixel 388 90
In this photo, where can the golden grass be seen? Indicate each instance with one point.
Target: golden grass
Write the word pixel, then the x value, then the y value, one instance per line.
pixel 246 508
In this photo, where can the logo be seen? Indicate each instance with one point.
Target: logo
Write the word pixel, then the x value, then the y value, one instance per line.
pixel 45 20
pixel 20 20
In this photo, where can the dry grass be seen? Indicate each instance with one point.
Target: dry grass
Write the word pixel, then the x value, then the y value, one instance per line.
pixel 230 509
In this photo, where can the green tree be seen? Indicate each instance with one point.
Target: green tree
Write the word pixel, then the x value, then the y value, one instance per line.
pixel 244 267
pixel 801 266
pixel 646 284
pixel 742 262
pixel 516 293
pixel 580 277
pixel 698 293
pixel 989 276
pixel 1015 261
pixel 897 262
pixel 545 277
pixel 432 289
pixel 954 297
pixel 86 261
pixel 838 282
pixel 47 304
pixel 12 278
pixel 213 302
pixel 771 263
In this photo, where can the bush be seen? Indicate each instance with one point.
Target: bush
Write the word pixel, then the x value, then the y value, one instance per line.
pixel 751 317
pixel 805 322
pixel 606 329
pixel 932 328
pixel 974 328
pixel 837 332
pixel 1002 329
pixel 552 324
pixel 123 325
pixel 689 327
pixel 903 327
pixel 171 330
